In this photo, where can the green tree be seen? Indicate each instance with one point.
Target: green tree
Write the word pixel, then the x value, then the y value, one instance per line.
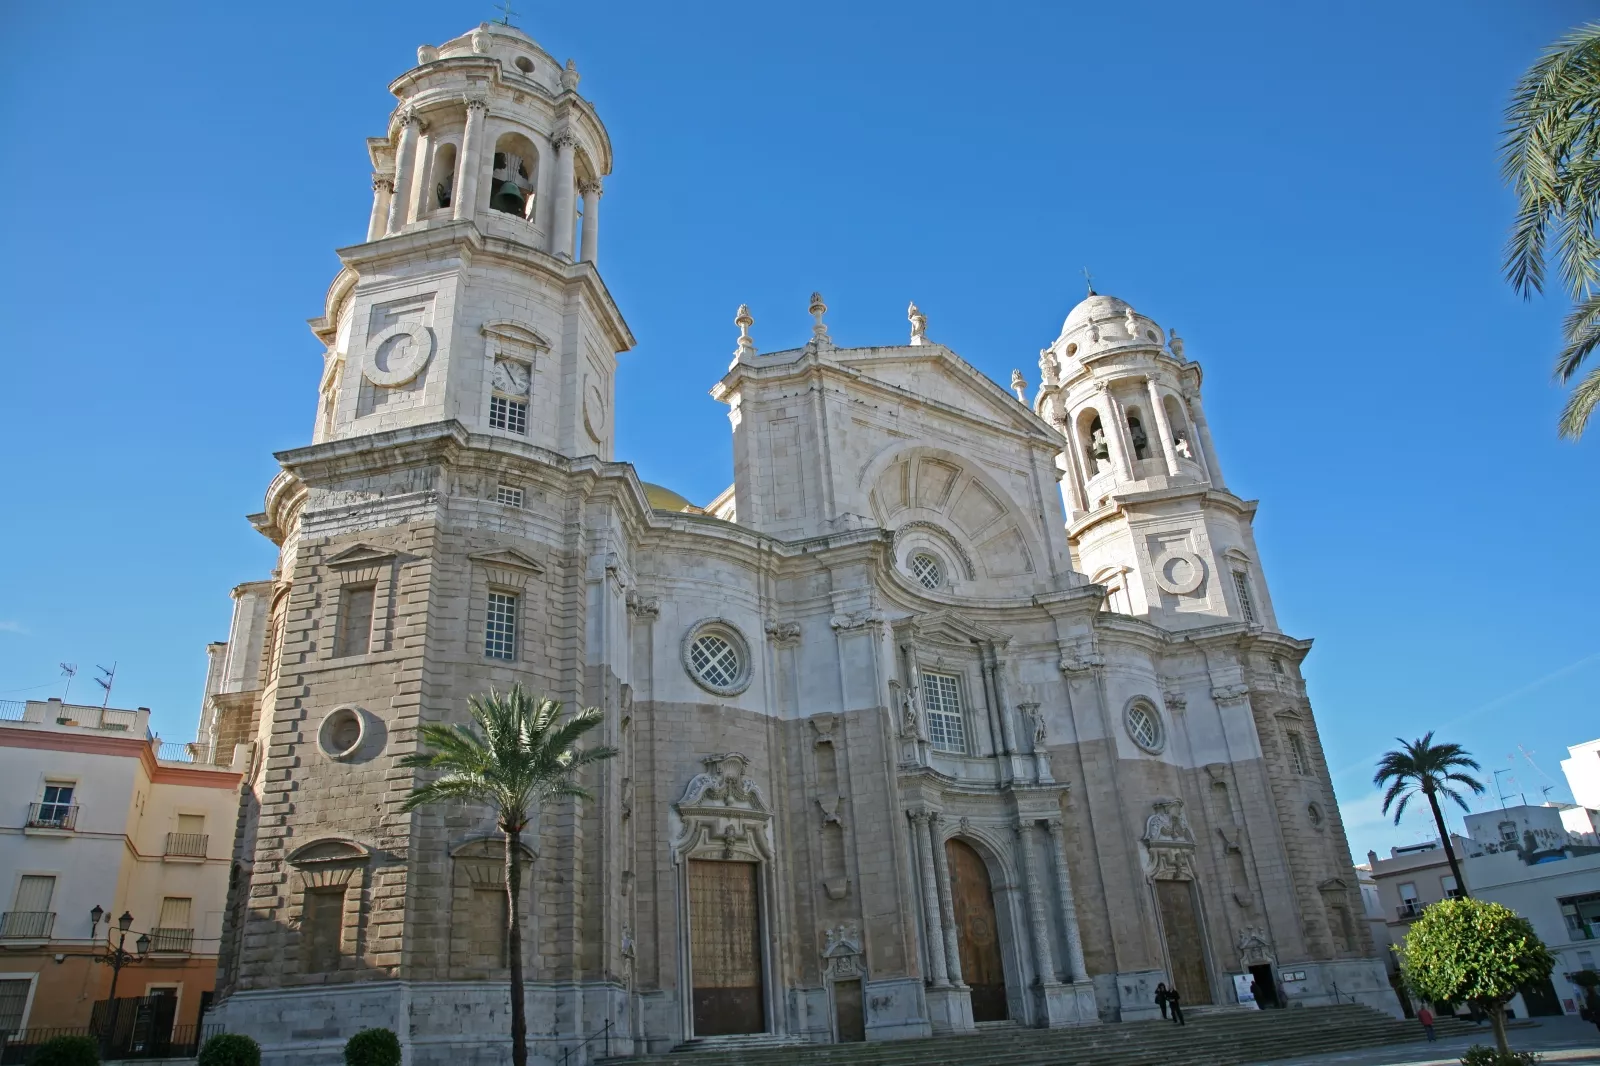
pixel 1475 952
pixel 1551 160
pixel 517 753
pixel 1433 770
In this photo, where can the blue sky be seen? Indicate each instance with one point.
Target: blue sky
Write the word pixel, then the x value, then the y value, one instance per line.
pixel 1309 193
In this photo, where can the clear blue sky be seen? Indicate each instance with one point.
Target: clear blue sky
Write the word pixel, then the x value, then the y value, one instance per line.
pixel 1309 193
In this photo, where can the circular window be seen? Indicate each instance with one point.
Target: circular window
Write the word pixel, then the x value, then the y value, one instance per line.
pixel 525 64
pixel 1150 333
pixel 717 657
pixel 1314 813
pixel 1072 350
pixel 1144 726
pixel 926 569
pixel 341 732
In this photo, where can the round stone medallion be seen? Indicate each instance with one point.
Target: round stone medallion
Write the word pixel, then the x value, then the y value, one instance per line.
pixel 1180 572
pixel 398 354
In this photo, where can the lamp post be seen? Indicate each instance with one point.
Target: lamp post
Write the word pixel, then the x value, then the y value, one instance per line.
pixel 120 956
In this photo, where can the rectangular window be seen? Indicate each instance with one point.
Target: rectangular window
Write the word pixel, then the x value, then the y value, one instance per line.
pixel 1277 665
pixel 1408 890
pixel 1582 916
pixel 176 932
pixel 55 808
pixel 509 415
pixel 1299 762
pixel 1448 883
pixel 13 1001
pixel 941 701
pixel 1241 585
pixel 500 631
pixel 191 823
pixel 489 927
pixel 322 929
pixel 508 494
pixel 354 636
pixel 30 916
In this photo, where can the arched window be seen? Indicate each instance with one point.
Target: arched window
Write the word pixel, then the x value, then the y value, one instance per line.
pixel 516 173
pixel 444 176
pixel 1092 435
pixel 1136 433
pixel 1182 442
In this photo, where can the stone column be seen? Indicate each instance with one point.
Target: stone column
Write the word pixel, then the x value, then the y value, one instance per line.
pixel 591 220
pixel 1203 431
pixel 1112 421
pixel 1008 735
pixel 1158 411
pixel 469 168
pixel 561 221
pixel 405 166
pixel 947 906
pixel 1076 482
pixel 1042 955
pixel 382 194
pixel 1069 909
pixel 931 917
pixel 422 177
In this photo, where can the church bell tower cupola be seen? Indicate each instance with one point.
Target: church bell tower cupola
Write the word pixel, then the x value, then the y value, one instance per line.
pixel 476 296
pixel 1151 518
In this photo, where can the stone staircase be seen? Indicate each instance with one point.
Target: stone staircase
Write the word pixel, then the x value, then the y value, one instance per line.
pixel 1222 1038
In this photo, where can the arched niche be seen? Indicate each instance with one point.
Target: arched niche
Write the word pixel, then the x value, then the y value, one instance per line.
pixel 514 176
pixel 443 174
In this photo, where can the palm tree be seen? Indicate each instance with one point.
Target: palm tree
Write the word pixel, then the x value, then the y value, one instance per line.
pixel 1551 160
pixel 516 754
pixel 1434 770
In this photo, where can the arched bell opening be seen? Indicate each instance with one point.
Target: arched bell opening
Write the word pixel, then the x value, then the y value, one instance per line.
pixel 1181 434
pixel 1137 435
pixel 444 177
pixel 1092 436
pixel 514 179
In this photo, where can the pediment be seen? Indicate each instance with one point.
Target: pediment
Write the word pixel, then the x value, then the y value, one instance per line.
pixel 508 559
pixel 951 627
pixel 1333 884
pixel 516 333
pixel 361 555
pixel 933 372
pixel 329 849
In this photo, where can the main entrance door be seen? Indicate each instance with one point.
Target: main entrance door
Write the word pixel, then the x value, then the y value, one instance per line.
pixel 725 948
pixel 1185 948
pixel 976 932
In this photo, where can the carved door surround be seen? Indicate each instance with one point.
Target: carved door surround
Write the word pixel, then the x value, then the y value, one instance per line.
pixel 1169 846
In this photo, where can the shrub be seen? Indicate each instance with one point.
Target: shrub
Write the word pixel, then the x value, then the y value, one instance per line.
pixel 67 1051
pixel 1480 1055
pixel 372 1047
pixel 230 1049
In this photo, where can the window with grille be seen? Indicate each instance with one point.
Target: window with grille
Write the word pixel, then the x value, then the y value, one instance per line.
pixel 1298 760
pixel 715 660
pixel 1241 585
pixel 508 494
pixel 354 633
pixel 30 916
pixel 509 415
pixel 926 569
pixel 941 703
pixel 13 1001
pixel 1144 726
pixel 500 630
pixel 176 931
pixel 55 806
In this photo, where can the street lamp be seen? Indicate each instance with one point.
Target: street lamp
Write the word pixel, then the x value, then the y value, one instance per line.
pixel 120 956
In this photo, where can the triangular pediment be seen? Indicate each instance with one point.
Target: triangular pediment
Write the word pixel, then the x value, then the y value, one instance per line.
pixel 361 555
pixel 933 372
pixel 517 334
pixel 508 558
pixel 1333 884
pixel 950 627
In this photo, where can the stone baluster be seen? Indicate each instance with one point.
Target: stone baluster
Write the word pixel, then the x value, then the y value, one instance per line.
pixel 469 168
pixel 405 166
pixel 591 190
pixel 1043 957
pixel 565 141
pixel 931 916
pixel 947 907
pixel 1158 411
pixel 1069 908
pixel 382 195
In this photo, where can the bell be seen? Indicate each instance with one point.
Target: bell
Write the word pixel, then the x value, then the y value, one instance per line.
pixel 508 198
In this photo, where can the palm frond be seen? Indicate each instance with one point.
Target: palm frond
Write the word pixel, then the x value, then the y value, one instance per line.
pixel 1580 406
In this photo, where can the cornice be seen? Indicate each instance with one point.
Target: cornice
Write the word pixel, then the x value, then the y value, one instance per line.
pixel 1123 503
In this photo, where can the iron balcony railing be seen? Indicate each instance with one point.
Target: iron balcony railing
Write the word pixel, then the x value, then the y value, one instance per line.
pixel 1411 908
pixel 52 815
pixel 187 845
pixel 27 925
pixel 170 941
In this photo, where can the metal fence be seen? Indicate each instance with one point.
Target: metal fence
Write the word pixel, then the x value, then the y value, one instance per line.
pixel 52 815
pixel 122 1042
pixel 27 925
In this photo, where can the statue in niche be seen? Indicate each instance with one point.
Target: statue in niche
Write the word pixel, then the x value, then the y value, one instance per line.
pixel 1098 448
pixel 1141 440
pixel 1180 444
pixel 1035 716
pixel 910 713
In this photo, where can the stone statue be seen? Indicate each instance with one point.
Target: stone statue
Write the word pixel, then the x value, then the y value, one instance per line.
pixel 1131 324
pixel 1049 369
pixel 1094 333
pixel 1098 448
pixel 569 77
pixel 919 324
pixel 1180 444
pixel 1035 718
pixel 1019 385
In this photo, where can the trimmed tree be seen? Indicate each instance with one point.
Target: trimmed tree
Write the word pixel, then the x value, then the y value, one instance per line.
pixel 1475 952
pixel 517 753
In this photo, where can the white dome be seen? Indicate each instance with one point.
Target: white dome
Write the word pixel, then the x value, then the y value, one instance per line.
pixel 1096 307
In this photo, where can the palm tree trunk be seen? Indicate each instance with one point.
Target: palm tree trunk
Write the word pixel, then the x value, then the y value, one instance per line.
pixel 1444 837
pixel 519 1021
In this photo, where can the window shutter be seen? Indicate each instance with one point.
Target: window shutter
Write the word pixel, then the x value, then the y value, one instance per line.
pixel 34 892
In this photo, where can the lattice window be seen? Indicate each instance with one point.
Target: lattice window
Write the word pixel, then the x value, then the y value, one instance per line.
pixel 500 630
pixel 508 494
pixel 941 702
pixel 13 1001
pixel 1144 726
pixel 1241 585
pixel 1299 762
pixel 715 660
pixel 509 415
pixel 926 569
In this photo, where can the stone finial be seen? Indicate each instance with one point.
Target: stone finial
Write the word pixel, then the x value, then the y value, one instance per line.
pixel 480 41
pixel 1175 342
pixel 819 332
pixel 1094 333
pixel 919 324
pixel 1019 385
pixel 744 322
pixel 426 53
pixel 569 77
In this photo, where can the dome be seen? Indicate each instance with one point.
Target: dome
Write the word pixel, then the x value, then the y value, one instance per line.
pixel 1096 307
pixel 664 499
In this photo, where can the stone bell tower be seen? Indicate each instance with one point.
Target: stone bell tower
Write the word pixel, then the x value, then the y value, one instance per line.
pixel 1150 516
pixel 476 296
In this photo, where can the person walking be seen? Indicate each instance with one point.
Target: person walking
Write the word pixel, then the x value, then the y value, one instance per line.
pixel 1425 1016
pixel 1161 999
pixel 1175 1005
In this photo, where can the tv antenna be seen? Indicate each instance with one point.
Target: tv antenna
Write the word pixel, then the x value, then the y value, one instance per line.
pixel 68 671
pixel 506 12
pixel 106 682
pixel 1498 789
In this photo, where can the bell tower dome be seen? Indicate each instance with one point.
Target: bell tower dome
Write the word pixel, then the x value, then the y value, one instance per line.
pixel 476 295
pixel 1150 516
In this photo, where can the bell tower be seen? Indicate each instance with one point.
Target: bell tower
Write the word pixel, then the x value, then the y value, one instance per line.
pixel 1150 516
pixel 476 295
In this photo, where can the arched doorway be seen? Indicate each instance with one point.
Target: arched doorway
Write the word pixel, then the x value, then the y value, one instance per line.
pixel 977 932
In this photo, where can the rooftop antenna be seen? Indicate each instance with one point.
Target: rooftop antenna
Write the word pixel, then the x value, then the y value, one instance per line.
pixel 506 12
pixel 1089 279
pixel 1498 789
pixel 106 682
pixel 68 671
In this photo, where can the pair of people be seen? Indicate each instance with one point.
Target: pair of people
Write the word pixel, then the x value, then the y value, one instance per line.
pixel 1170 1003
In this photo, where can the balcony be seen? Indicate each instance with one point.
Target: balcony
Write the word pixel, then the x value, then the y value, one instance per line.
pixel 1411 908
pixel 186 845
pixel 27 925
pixel 171 941
pixel 62 816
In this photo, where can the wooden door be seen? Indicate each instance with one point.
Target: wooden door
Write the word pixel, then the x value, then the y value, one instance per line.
pixel 1185 948
pixel 847 1011
pixel 725 948
pixel 977 932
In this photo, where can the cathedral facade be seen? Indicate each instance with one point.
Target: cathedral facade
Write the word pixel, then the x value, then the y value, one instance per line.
pixel 957 707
